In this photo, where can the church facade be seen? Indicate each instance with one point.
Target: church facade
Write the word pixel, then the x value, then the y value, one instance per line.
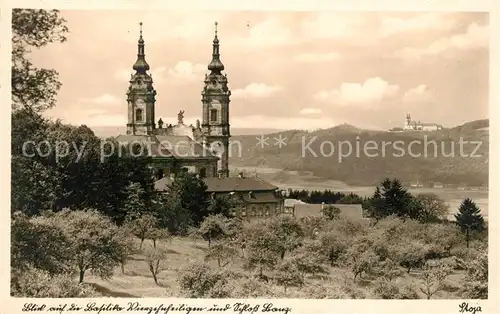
pixel 411 125
pixel 202 149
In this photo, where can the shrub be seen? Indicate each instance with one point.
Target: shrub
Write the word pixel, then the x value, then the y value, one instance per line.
pixel 199 280
pixel 475 282
pixel 250 288
pixel 330 212
pixel 386 289
pixel 40 244
pixel 37 283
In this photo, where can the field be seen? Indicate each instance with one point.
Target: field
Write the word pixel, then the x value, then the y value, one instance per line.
pixel 138 282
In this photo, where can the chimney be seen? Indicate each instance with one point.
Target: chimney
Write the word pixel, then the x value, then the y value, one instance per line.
pixel 240 175
pixel 250 194
pixel 172 176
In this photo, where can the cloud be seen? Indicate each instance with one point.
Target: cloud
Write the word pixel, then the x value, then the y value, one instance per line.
pixel 310 111
pixel 102 100
pixel 332 25
pixel 268 33
pixel 373 90
pixel 256 90
pixel 476 36
pixel 425 21
pixel 419 94
pixel 317 57
pixel 186 71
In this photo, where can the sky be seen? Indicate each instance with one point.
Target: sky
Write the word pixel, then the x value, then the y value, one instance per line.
pixel 286 70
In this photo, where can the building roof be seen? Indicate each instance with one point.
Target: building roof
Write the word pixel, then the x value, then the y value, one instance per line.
pixel 260 197
pixel 238 184
pixel 179 147
pixel 230 184
pixel 352 211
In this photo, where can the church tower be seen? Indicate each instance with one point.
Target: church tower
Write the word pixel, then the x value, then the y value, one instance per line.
pixel 141 96
pixel 215 100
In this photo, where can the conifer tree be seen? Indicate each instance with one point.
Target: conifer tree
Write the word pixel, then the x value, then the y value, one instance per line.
pixel 469 219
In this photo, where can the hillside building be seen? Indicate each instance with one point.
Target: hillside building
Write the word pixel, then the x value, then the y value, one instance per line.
pixel 411 125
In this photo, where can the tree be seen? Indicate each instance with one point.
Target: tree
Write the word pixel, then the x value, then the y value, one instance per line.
pixel 154 257
pixel 95 242
pixel 432 207
pixel 142 226
pixel 287 274
pixel 360 258
pixel 171 214
pixel 223 252
pixel 351 198
pixel 156 234
pixel 212 228
pixel 34 88
pixel 134 204
pixel 220 205
pixel 469 219
pixel 312 225
pixel 125 250
pixel 37 243
pixel 262 245
pixel 433 277
pixel 411 255
pixel 475 281
pixel 192 192
pixel 288 231
pixel 333 245
pixel 308 258
pixel 390 198
pixel 330 212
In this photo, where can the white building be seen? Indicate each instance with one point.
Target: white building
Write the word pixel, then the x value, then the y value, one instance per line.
pixel 420 126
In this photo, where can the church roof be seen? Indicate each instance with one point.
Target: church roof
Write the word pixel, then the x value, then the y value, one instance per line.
pixel 230 184
pixel 180 147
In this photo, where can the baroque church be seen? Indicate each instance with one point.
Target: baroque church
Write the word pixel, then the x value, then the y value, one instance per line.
pixel 203 148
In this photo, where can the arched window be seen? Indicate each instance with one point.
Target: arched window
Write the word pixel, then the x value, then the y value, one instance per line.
pixel 138 115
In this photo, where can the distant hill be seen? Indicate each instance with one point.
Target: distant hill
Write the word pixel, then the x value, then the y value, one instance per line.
pixel 434 164
pixel 110 131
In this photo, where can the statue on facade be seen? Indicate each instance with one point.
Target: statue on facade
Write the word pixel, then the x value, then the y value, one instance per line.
pixel 180 117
